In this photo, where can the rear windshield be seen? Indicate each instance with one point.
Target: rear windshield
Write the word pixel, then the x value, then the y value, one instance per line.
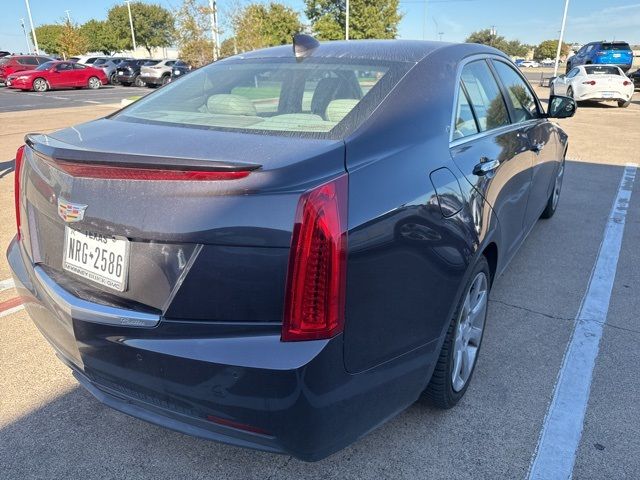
pixel 324 97
pixel 615 46
pixel 601 70
pixel 148 63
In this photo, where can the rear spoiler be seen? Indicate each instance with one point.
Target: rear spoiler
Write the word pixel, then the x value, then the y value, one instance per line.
pixel 59 151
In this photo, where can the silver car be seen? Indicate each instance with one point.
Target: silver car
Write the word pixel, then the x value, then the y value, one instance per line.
pixel 157 74
pixel 109 66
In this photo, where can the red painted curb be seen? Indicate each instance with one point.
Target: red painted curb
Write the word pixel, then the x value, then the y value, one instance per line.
pixel 11 303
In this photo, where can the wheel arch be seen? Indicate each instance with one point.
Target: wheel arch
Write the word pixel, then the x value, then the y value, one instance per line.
pixel 490 252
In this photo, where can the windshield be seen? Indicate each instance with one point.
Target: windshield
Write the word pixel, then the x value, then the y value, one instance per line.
pixel 320 97
pixel 602 70
pixel 45 66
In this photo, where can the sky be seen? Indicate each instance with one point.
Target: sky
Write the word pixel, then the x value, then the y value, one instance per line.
pixel 529 21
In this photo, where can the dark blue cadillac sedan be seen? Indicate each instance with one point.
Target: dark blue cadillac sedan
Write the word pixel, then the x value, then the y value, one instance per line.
pixel 286 248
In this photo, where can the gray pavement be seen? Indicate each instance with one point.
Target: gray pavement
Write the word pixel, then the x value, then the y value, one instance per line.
pixel 16 100
pixel 57 430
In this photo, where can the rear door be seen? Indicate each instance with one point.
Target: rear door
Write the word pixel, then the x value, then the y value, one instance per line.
pixel 492 153
pixel 526 112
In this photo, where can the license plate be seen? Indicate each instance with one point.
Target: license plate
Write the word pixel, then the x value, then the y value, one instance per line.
pixel 120 73
pixel 617 55
pixel 103 259
pixel 8 83
pixel 607 94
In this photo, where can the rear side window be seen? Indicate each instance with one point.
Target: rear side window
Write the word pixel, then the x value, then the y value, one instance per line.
pixel 601 70
pixel 28 61
pixel 485 96
pixel 78 66
pixel 465 123
pixel 148 63
pixel 521 97
pixel 615 46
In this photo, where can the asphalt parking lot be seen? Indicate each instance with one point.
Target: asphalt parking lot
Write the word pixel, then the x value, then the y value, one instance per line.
pixel 51 428
pixel 15 100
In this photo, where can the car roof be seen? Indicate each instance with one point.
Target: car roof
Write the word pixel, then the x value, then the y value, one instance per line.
pixel 399 50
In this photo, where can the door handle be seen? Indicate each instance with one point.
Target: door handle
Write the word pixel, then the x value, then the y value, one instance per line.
pixel 485 166
pixel 537 147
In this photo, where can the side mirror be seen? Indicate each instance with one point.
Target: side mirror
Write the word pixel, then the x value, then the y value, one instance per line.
pixel 561 107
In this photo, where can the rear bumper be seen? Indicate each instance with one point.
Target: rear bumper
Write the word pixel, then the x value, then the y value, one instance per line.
pixel 126 78
pixel 213 380
pixel 151 80
pixel 599 96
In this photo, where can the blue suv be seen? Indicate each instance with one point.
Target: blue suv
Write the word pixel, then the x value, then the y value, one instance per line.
pixel 610 53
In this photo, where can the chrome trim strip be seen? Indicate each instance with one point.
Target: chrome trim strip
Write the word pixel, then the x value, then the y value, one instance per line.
pixel 493 131
pixel 80 309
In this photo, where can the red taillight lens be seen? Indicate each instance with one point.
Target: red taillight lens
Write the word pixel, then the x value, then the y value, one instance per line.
pixel 626 82
pixel 16 186
pixel 590 82
pixel 131 173
pixel 316 281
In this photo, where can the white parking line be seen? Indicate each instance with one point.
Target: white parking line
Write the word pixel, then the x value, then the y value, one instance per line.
pixel 562 428
pixel 6 284
pixel 11 310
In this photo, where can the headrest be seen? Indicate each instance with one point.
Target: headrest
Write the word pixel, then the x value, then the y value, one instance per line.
pixel 227 104
pixel 338 109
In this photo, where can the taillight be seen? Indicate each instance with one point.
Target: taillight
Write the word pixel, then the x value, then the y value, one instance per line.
pixel 111 172
pixel 626 82
pixel 16 186
pixel 590 82
pixel 316 279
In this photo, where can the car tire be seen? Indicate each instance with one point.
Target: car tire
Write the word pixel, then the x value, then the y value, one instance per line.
pixel 623 103
pixel 40 85
pixel 554 198
pixel 94 83
pixel 447 385
pixel 113 80
pixel 137 81
pixel 165 80
pixel 570 92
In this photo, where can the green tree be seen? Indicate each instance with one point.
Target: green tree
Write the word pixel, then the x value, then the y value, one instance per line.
pixel 153 25
pixel 259 26
pixel 193 27
pixel 513 48
pixel 367 18
pixel 228 47
pixel 549 48
pixel 48 36
pixel 71 40
pixel 100 37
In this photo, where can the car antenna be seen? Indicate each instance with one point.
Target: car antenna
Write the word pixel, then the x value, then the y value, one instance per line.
pixel 304 45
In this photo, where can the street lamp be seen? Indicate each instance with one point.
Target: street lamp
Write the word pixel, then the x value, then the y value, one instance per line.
pixel 346 23
pixel 133 35
pixel 33 30
pixel 26 37
pixel 564 21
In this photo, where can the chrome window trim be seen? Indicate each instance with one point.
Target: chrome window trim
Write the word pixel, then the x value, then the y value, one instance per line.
pixel 84 310
pixel 503 129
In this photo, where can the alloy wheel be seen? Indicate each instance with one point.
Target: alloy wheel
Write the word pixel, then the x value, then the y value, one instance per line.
pixel 469 331
pixel 557 187
pixel 40 85
pixel 94 83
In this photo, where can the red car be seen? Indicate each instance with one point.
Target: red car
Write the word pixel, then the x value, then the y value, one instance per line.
pixel 54 74
pixel 16 63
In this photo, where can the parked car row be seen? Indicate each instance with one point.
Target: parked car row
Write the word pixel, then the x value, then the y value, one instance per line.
pixel 41 73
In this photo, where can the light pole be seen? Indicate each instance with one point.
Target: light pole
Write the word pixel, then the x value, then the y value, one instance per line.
pixel 564 21
pixel 213 11
pixel 33 30
pixel 26 37
pixel 346 23
pixel 133 35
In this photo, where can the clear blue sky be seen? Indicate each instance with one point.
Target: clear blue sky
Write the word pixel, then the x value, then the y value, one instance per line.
pixel 527 20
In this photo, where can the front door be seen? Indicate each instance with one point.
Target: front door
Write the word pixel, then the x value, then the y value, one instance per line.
pixel 492 153
pixel 62 76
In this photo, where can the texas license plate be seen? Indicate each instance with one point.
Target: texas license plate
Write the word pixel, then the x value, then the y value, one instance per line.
pixel 607 94
pixel 103 259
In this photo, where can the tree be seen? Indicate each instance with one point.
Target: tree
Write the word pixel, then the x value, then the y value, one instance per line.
pixel 153 26
pixel 259 26
pixel 48 36
pixel 367 18
pixel 549 48
pixel 100 37
pixel 228 47
pixel 192 32
pixel 71 40
pixel 513 48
